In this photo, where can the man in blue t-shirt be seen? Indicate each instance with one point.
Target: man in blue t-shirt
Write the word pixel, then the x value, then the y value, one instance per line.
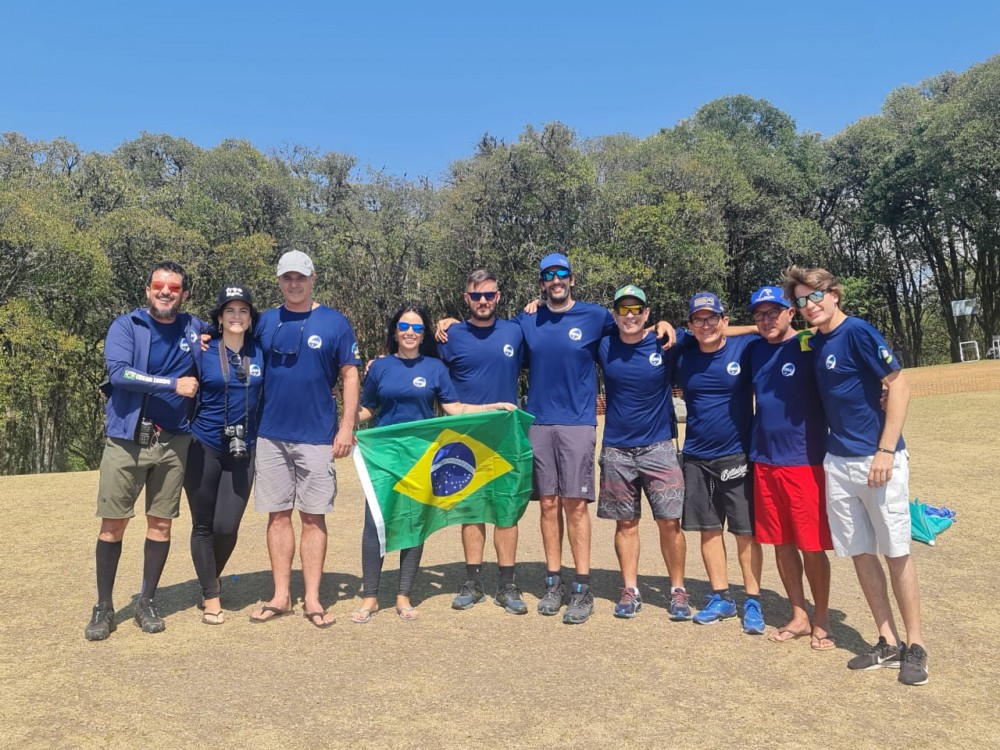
pixel 153 360
pixel 484 356
pixel 787 446
pixel 307 347
pixel 638 453
pixel 718 484
pixel 867 466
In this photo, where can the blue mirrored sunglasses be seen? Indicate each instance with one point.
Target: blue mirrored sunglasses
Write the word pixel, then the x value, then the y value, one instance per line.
pixel 417 327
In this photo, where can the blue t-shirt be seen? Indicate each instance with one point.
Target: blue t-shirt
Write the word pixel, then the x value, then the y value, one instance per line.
pixel 169 357
pixel 484 361
pixel 244 396
pixel 405 390
pixel 850 363
pixel 561 357
pixel 719 394
pixel 640 407
pixel 303 354
pixel 789 426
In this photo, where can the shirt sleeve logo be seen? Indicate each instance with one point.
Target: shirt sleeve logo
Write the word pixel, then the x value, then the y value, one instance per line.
pixel 508 350
pixel 355 352
pixel 831 362
pixel 733 368
pixel 655 359
pixel 314 341
pixel 788 369
pixel 575 334
pixel 885 354
pixel 419 382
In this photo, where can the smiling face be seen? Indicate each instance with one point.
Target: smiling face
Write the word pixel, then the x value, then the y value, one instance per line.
pixel 235 317
pixel 631 324
pixel 558 291
pixel 165 295
pixel 708 327
pixel 824 314
pixel 773 321
pixel 483 310
pixel 297 290
pixel 409 340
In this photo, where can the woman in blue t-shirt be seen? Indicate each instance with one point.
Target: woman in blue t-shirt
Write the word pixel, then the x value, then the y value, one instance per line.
pixel 220 463
pixel 405 386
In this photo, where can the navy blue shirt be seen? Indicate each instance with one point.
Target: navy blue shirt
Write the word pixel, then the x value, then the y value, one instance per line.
pixel 405 390
pixel 789 425
pixel 169 357
pixel 244 396
pixel 850 363
pixel 562 352
pixel 640 407
pixel 484 361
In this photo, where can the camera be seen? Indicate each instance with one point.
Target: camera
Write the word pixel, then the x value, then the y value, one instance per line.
pixel 237 435
pixel 146 433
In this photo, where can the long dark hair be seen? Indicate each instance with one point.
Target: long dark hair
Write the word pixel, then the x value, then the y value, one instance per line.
pixel 428 346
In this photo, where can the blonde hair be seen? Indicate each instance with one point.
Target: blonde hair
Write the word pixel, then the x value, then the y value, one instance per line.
pixel 817 278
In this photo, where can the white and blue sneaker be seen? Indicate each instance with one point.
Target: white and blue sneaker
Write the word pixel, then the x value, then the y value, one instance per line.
pixel 753 618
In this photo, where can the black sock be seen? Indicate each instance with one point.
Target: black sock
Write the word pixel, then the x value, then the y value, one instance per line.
pixel 553 574
pixel 724 593
pixel 506 575
pixel 473 572
pixel 583 579
pixel 154 560
pixel 108 554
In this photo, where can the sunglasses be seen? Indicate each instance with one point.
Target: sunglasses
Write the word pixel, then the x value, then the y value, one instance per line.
pixel 283 350
pixel 417 327
pixel 711 320
pixel 558 273
pixel 476 296
pixel 768 314
pixel 172 286
pixel 624 310
pixel 816 297
pixel 236 362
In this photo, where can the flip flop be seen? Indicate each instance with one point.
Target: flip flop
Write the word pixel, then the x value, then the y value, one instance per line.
pixel 361 616
pixel 825 643
pixel 275 614
pixel 201 604
pixel 783 635
pixel 311 616
pixel 407 613
pixel 214 618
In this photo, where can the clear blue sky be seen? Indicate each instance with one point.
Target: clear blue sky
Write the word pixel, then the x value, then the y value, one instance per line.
pixel 411 86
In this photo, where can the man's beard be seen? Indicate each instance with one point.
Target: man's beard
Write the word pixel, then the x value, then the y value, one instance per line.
pixel 165 312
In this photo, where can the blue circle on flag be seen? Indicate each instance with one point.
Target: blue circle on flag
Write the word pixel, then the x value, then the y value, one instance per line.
pixel 452 469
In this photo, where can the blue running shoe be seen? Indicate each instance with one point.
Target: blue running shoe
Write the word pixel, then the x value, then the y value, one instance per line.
pixel 753 618
pixel 630 603
pixel 716 609
pixel 679 607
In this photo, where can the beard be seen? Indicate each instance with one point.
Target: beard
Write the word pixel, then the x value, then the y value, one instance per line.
pixel 165 311
pixel 487 313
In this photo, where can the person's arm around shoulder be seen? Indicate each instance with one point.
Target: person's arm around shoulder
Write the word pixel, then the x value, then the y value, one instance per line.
pixel 896 403
pixel 457 407
pixel 441 329
pixel 343 441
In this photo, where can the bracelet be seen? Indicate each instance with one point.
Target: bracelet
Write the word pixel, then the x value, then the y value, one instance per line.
pixel 885 450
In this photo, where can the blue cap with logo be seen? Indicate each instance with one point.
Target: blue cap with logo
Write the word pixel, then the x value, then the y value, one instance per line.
pixel 554 260
pixel 704 301
pixel 773 294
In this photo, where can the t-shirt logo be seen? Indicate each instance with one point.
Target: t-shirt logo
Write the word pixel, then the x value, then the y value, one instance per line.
pixel 788 369
pixel 655 359
pixel 508 350
pixel 255 371
pixel 419 382
pixel 884 353
pixel 355 352
pixel 185 346
pixel 733 368
pixel 831 362
pixel 314 341
pixel 575 334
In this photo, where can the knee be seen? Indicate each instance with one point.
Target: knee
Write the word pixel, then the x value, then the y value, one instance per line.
pixel 158 529
pixel 112 529
pixel 628 528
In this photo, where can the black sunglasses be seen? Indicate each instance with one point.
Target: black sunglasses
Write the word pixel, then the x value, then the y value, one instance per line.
pixel 476 296
pixel 285 351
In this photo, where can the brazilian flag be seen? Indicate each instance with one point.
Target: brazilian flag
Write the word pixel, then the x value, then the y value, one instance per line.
pixel 421 476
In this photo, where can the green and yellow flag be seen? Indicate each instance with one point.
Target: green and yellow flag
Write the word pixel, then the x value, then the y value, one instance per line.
pixel 419 477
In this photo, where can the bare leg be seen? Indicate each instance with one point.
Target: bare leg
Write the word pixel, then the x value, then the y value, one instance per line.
pixel 873 585
pixel 313 553
pixel 473 542
pixel 673 547
pixel 713 553
pixel 551 522
pixel 505 541
pixel 789 564
pixel 817 569
pixel 903 573
pixel 751 560
pixel 627 549
pixel 578 522
pixel 281 550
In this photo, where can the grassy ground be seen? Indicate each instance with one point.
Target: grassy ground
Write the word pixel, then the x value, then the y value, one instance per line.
pixel 482 677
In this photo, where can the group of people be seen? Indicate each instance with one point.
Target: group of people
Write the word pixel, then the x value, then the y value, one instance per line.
pixel 790 441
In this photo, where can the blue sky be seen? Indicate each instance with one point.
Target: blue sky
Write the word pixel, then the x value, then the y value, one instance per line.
pixel 411 86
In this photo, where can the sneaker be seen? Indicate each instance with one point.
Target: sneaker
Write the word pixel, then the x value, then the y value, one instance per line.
pixel 716 609
pixel 102 623
pixel 581 605
pixel 470 594
pixel 552 602
pixel 879 655
pixel 509 597
pixel 753 618
pixel 679 607
pixel 146 617
pixel 914 667
pixel 630 603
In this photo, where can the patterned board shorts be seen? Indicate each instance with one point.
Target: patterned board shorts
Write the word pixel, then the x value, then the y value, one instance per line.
pixel 628 472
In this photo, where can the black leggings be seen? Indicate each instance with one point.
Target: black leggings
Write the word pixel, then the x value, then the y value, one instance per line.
pixel 371 560
pixel 218 487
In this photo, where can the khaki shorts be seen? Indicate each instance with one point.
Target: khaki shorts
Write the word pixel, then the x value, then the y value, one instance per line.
pixel 126 469
pixel 868 520
pixel 294 476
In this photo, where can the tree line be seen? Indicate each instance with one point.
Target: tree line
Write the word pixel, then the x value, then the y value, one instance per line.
pixel 903 205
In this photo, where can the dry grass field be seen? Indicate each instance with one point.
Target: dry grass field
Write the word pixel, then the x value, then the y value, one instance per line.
pixel 483 678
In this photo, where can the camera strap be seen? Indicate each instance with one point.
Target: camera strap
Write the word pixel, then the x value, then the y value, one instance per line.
pixel 224 363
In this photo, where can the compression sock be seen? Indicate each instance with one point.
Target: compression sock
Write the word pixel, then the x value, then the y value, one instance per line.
pixel 154 560
pixel 108 554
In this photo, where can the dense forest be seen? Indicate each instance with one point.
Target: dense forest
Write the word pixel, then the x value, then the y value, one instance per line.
pixel 903 205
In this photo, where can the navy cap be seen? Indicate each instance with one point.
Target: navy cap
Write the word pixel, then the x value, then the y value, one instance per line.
pixel 704 301
pixel 773 294
pixel 554 260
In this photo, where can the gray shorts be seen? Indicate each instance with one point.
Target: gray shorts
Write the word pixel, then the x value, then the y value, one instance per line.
pixel 863 519
pixel 126 469
pixel 564 460
pixel 295 476
pixel 627 472
pixel 718 490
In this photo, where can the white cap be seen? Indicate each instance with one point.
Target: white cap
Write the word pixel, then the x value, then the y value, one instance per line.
pixel 295 261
